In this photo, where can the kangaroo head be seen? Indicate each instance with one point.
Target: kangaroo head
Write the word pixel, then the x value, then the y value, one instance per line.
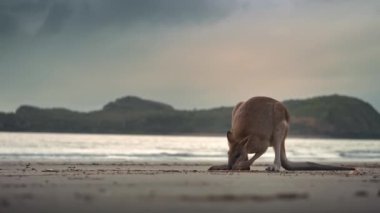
pixel 237 150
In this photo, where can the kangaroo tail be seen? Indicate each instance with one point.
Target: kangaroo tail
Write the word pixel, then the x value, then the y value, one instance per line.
pixel 288 165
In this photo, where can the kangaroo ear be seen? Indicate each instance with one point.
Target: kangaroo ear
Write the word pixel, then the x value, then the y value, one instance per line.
pixel 229 138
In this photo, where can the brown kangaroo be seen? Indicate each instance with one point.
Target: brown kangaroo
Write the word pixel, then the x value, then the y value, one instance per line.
pixel 257 124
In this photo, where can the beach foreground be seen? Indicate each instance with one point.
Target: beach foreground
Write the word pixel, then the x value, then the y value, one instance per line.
pixel 185 187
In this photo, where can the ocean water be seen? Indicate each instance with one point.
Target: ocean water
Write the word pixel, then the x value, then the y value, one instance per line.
pixel 144 148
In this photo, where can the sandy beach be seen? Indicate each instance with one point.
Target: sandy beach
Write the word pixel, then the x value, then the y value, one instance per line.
pixel 170 187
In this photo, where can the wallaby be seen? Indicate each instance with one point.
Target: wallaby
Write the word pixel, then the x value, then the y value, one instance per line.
pixel 257 124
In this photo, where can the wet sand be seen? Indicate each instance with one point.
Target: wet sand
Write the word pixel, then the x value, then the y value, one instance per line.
pixel 168 187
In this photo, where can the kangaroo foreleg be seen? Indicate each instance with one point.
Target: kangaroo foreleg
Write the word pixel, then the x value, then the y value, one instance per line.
pixel 245 165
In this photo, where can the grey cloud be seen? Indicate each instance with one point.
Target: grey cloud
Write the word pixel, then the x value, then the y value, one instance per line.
pixel 14 12
pixel 25 6
pixel 89 15
pixel 164 11
pixel 7 25
pixel 56 17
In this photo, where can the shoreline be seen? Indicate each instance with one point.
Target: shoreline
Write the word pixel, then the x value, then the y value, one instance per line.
pixel 183 187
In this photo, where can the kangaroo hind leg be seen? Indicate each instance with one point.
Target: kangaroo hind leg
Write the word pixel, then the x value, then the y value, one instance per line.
pixel 278 138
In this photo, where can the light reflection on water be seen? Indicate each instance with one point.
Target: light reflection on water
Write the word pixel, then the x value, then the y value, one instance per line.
pixel 91 147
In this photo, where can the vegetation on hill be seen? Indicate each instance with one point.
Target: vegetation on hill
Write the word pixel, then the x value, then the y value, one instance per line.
pixel 327 116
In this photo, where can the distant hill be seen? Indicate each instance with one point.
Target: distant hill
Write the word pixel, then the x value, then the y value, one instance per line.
pixel 328 116
pixel 334 116
pixel 132 103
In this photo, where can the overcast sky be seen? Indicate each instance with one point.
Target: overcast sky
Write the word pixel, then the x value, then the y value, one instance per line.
pixel 81 54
